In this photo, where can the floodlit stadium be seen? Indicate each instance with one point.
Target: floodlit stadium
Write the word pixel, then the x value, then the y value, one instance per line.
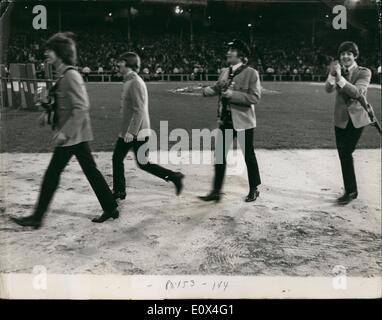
pixel 293 229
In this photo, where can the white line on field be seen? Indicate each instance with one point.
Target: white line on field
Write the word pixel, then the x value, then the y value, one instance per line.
pixel 372 86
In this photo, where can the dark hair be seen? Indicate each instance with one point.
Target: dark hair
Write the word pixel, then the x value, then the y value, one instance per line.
pixel 64 46
pixel 348 46
pixel 131 59
pixel 241 47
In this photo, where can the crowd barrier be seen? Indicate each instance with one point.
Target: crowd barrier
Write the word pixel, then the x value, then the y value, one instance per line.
pixel 109 77
pixel 18 87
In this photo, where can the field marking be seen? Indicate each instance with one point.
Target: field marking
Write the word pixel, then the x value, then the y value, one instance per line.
pixel 372 86
pixel 321 84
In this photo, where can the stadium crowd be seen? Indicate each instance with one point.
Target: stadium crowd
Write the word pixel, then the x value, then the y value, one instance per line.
pixel 168 54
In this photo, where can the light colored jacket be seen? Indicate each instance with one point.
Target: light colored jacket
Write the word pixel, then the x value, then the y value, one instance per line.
pixel 246 94
pixel 134 106
pixel 73 107
pixel 346 103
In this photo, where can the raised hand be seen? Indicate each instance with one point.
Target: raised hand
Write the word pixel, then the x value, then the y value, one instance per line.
pixel 334 67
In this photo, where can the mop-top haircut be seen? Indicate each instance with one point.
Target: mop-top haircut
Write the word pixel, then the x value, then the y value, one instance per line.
pixel 64 46
pixel 348 46
pixel 132 60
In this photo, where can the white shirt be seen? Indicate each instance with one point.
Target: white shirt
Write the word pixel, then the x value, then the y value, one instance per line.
pixel 236 66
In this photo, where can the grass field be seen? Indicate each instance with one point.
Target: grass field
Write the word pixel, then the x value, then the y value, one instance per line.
pixel 300 116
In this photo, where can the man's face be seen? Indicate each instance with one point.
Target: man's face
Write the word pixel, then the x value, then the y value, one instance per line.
pixel 51 56
pixel 122 67
pixel 232 57
pixel 347 58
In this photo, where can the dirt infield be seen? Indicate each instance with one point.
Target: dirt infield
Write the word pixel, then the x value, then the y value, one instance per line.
pixel 295 228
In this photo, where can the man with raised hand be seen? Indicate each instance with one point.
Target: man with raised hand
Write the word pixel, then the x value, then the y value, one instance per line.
pixel 350 82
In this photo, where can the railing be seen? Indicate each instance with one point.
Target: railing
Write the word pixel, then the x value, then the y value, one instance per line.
pixel 109 77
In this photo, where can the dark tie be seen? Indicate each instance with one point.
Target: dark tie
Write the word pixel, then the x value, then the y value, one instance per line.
pixel 230 76
pixel 346 74
pixel 225 102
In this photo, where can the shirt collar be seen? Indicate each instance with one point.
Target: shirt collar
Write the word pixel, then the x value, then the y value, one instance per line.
pixel 352 67
pixel 60 69
pixel 236 66
pixel 128 75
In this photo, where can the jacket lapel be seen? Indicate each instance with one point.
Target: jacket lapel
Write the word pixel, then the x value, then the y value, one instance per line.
pixel 354 75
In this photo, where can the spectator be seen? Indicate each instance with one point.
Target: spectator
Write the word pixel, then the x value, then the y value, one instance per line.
pixel 286 53
pixel 86 71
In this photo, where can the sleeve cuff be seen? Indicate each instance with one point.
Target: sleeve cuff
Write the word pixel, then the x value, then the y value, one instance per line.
pixel 342 82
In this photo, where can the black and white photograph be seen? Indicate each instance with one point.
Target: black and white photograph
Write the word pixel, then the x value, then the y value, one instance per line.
pixel 164 149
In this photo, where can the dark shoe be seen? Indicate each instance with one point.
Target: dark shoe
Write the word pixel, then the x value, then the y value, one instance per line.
pixel 119 195
pixel 347 198
pixel 212 196
pixel 106 216
pixel 252 195
pixel 177 180
pixel 27 222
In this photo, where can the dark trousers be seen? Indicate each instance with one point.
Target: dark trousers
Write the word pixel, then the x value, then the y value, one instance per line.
pixel 223 144
pixel 60 159
pixel 120 151
pixel 346 140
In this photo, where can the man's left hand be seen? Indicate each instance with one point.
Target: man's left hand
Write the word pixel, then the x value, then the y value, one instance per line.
pixel 227 94
pixel 128 137
pixel 60 138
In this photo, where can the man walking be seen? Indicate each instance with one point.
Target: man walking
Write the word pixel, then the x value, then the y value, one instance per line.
pixel 71 122
pixel 239 91
pixel 135 128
